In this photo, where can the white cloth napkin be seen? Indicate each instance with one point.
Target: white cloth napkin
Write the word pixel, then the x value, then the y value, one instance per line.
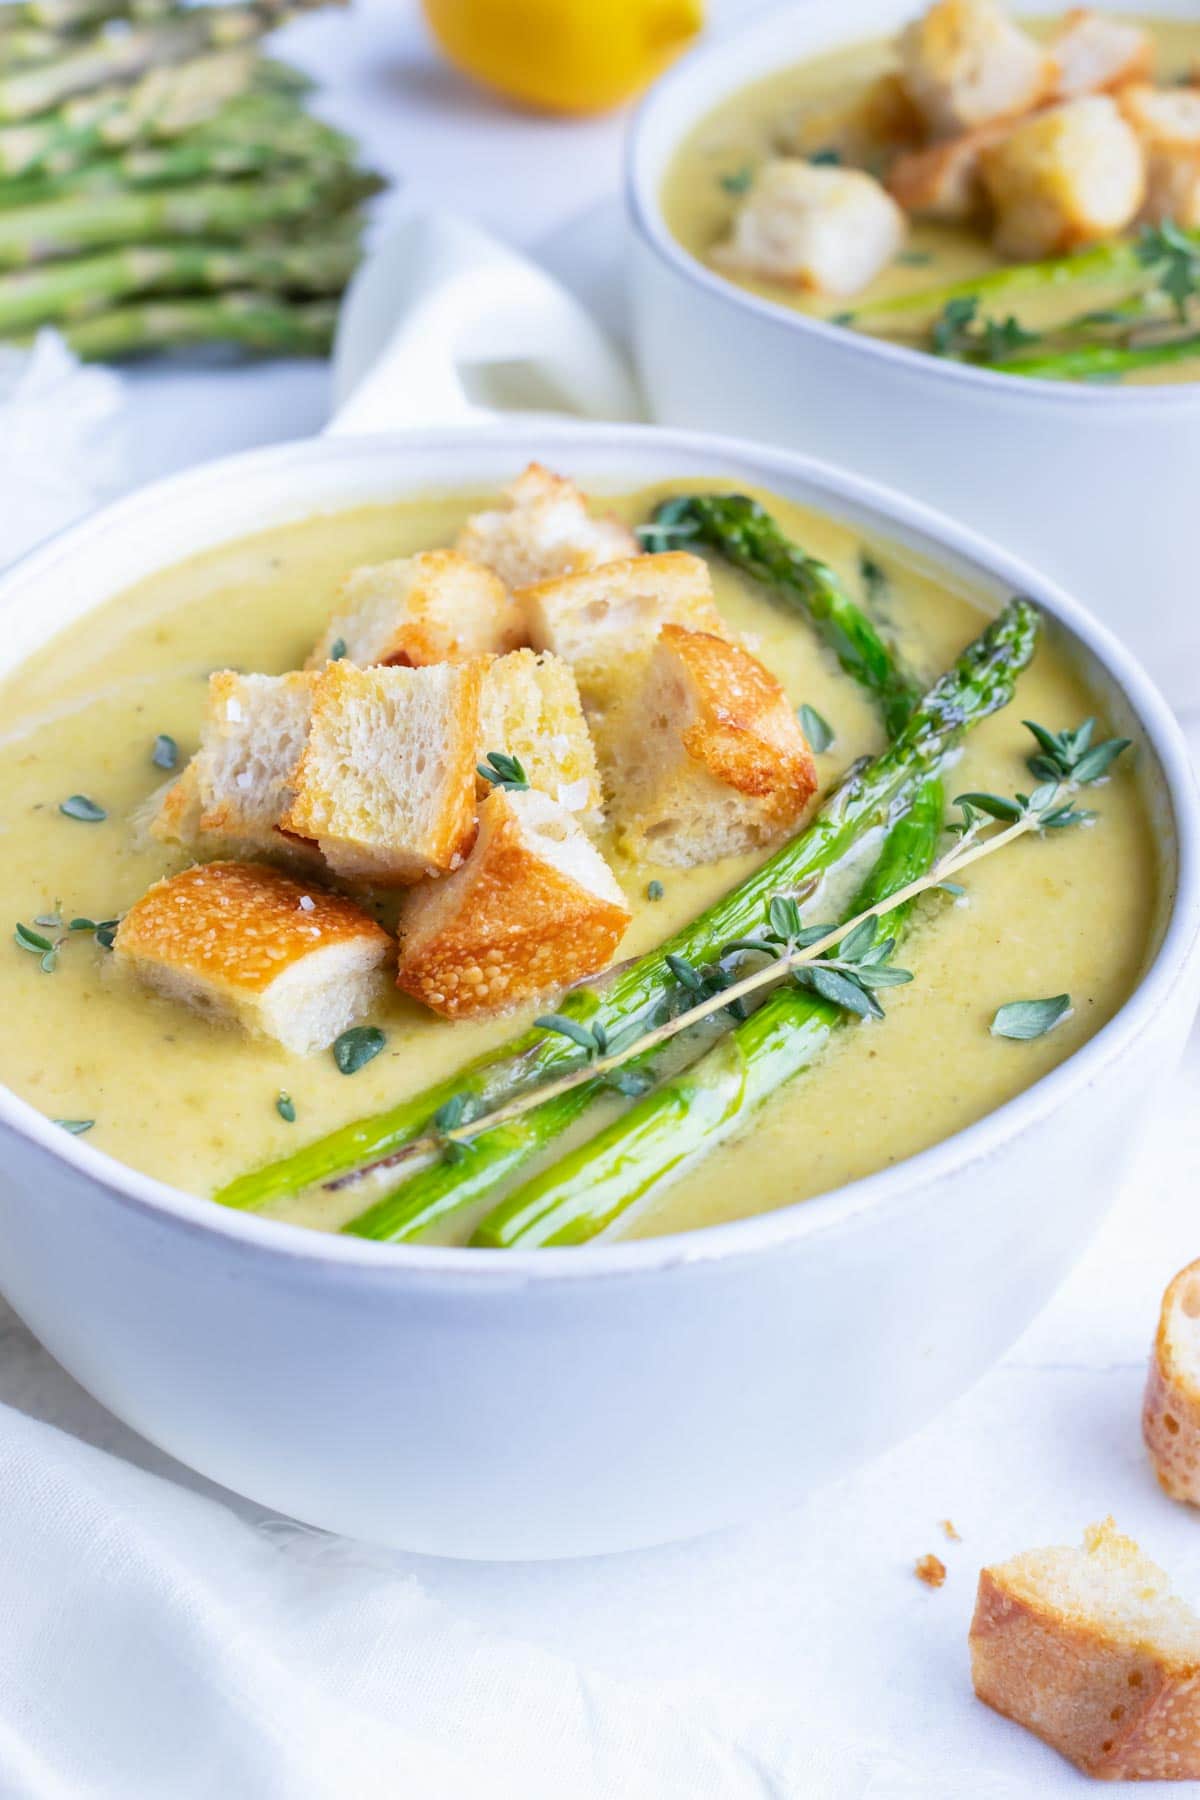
pixel 60 441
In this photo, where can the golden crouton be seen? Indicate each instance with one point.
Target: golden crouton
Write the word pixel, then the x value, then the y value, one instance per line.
pixel 1095 53
pixel 1091 1651
pixel 420 609
pixel 233 794
pixel 1070 176
pixel 965 63
pixel 386 785
pixel 708 759
pixel 945 181
pixel 530 709
pixel 1171 1411
pixel 826 230
pixel 1167 121
pixel 604 623
pixel 242 942
pixel 863 128
pixel 544 529
pixel 534 908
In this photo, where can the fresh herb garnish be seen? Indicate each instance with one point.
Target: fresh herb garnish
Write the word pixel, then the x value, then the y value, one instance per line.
pixel 76 1127
pixel 78 806
pixel 337 650
pixel 165 753
pixel 738 181
pixel 816 729
pixel 503 771
pixel 674 523
pixel 959 333
pixel 655 890
pixel 1174 259
pixel 1023 1019
pixel 915 259
pixel 285 1106
pixel 357 1047
pixel 828 158
pixel 872 575
pixel 42 947
pixel 106 933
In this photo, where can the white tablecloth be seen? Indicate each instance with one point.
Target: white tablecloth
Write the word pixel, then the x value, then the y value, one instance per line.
pixel 160 1637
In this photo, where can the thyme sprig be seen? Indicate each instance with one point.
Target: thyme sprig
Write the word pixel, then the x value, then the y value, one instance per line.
pixel 845 963
pixel 504 771
pixel 1174 260
pixel 959 332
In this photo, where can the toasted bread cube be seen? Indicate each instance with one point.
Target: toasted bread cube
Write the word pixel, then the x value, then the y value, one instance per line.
pixel 242 942
pixel 965 63
pixel 863 128
pixel 430 608
pixel 945 181
pixel 708 758
pixel 1070 176
pixel 530 708
pixel 1167 120
pixel 534 908
pixel 1090 1651
pixel 606 622
pixel 1095 54
pixel 544 529
pixel 231 797
pixel 386 785
pixel 1171 1410
pixel 826 230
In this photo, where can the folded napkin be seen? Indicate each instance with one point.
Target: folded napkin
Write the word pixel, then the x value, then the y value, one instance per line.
pixel 61 449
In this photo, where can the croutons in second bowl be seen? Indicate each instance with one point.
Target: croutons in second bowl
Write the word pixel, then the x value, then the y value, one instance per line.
pixel 552 1402
pixel 1091 481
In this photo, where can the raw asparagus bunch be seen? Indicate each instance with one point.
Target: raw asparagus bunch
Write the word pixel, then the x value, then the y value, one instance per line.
pixel 631 997
pixel 253 321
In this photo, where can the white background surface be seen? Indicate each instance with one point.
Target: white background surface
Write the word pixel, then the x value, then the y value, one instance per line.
pixel 804 1642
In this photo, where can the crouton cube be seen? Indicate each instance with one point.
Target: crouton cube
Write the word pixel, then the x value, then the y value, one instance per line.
pixel 1090 1651
pixel 1171 1411
pixel 534 908
pixel 430 608
pixel 965 63
pixel 1167 121
pixel 605 622
pixel 1070 176
pixel 543 529
pixel 232 796
pixel 530 709
pixel 1096 53
pixel 708 758
pixel 863 128
pixel 945 181
pixel 826 230
pixel 245 943
pixel 386 784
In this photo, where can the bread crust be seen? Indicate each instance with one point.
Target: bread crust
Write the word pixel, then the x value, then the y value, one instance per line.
pixel 436 606
pixel 543 529
pixel 744 729
pixel 236 927
pixel 510 925
pixel 1122 1708
pixel 1171 1408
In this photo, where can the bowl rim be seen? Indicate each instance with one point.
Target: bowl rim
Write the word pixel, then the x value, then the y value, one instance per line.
pixel 644 210
pixel 1177 952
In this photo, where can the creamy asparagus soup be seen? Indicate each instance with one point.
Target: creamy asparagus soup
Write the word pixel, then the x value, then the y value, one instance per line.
pixel 1021 196
pixel 165 1050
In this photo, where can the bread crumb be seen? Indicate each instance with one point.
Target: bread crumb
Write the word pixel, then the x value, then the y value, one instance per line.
pixel 931 1570
pixel 955 1537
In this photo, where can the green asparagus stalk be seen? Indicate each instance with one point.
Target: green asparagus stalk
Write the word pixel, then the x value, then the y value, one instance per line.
pixel 979 683
pixel 61 292
pixel 747 536
pixel 74 15
pixel 254 321
pixel 110 56
pixel 1103 362
pixel 23 45
pixel 684 1119
pixel 162 104
pixel 36 234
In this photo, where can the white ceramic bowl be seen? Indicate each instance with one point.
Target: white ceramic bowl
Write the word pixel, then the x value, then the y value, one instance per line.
pixel 559 1402
pixel 1096 485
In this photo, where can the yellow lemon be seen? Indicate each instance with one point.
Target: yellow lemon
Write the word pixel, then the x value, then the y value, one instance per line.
pixel 569 56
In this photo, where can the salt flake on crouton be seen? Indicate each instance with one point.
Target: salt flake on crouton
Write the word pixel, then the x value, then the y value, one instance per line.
pixel 827 230
pixel 534 908
pixel 543 529
pixel 965 63
pixel 708 759
pixel 247 944
pixel 386 784
pixel 433 607
pixel 1090 1651
pixel 1071 176
pixel 530 708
